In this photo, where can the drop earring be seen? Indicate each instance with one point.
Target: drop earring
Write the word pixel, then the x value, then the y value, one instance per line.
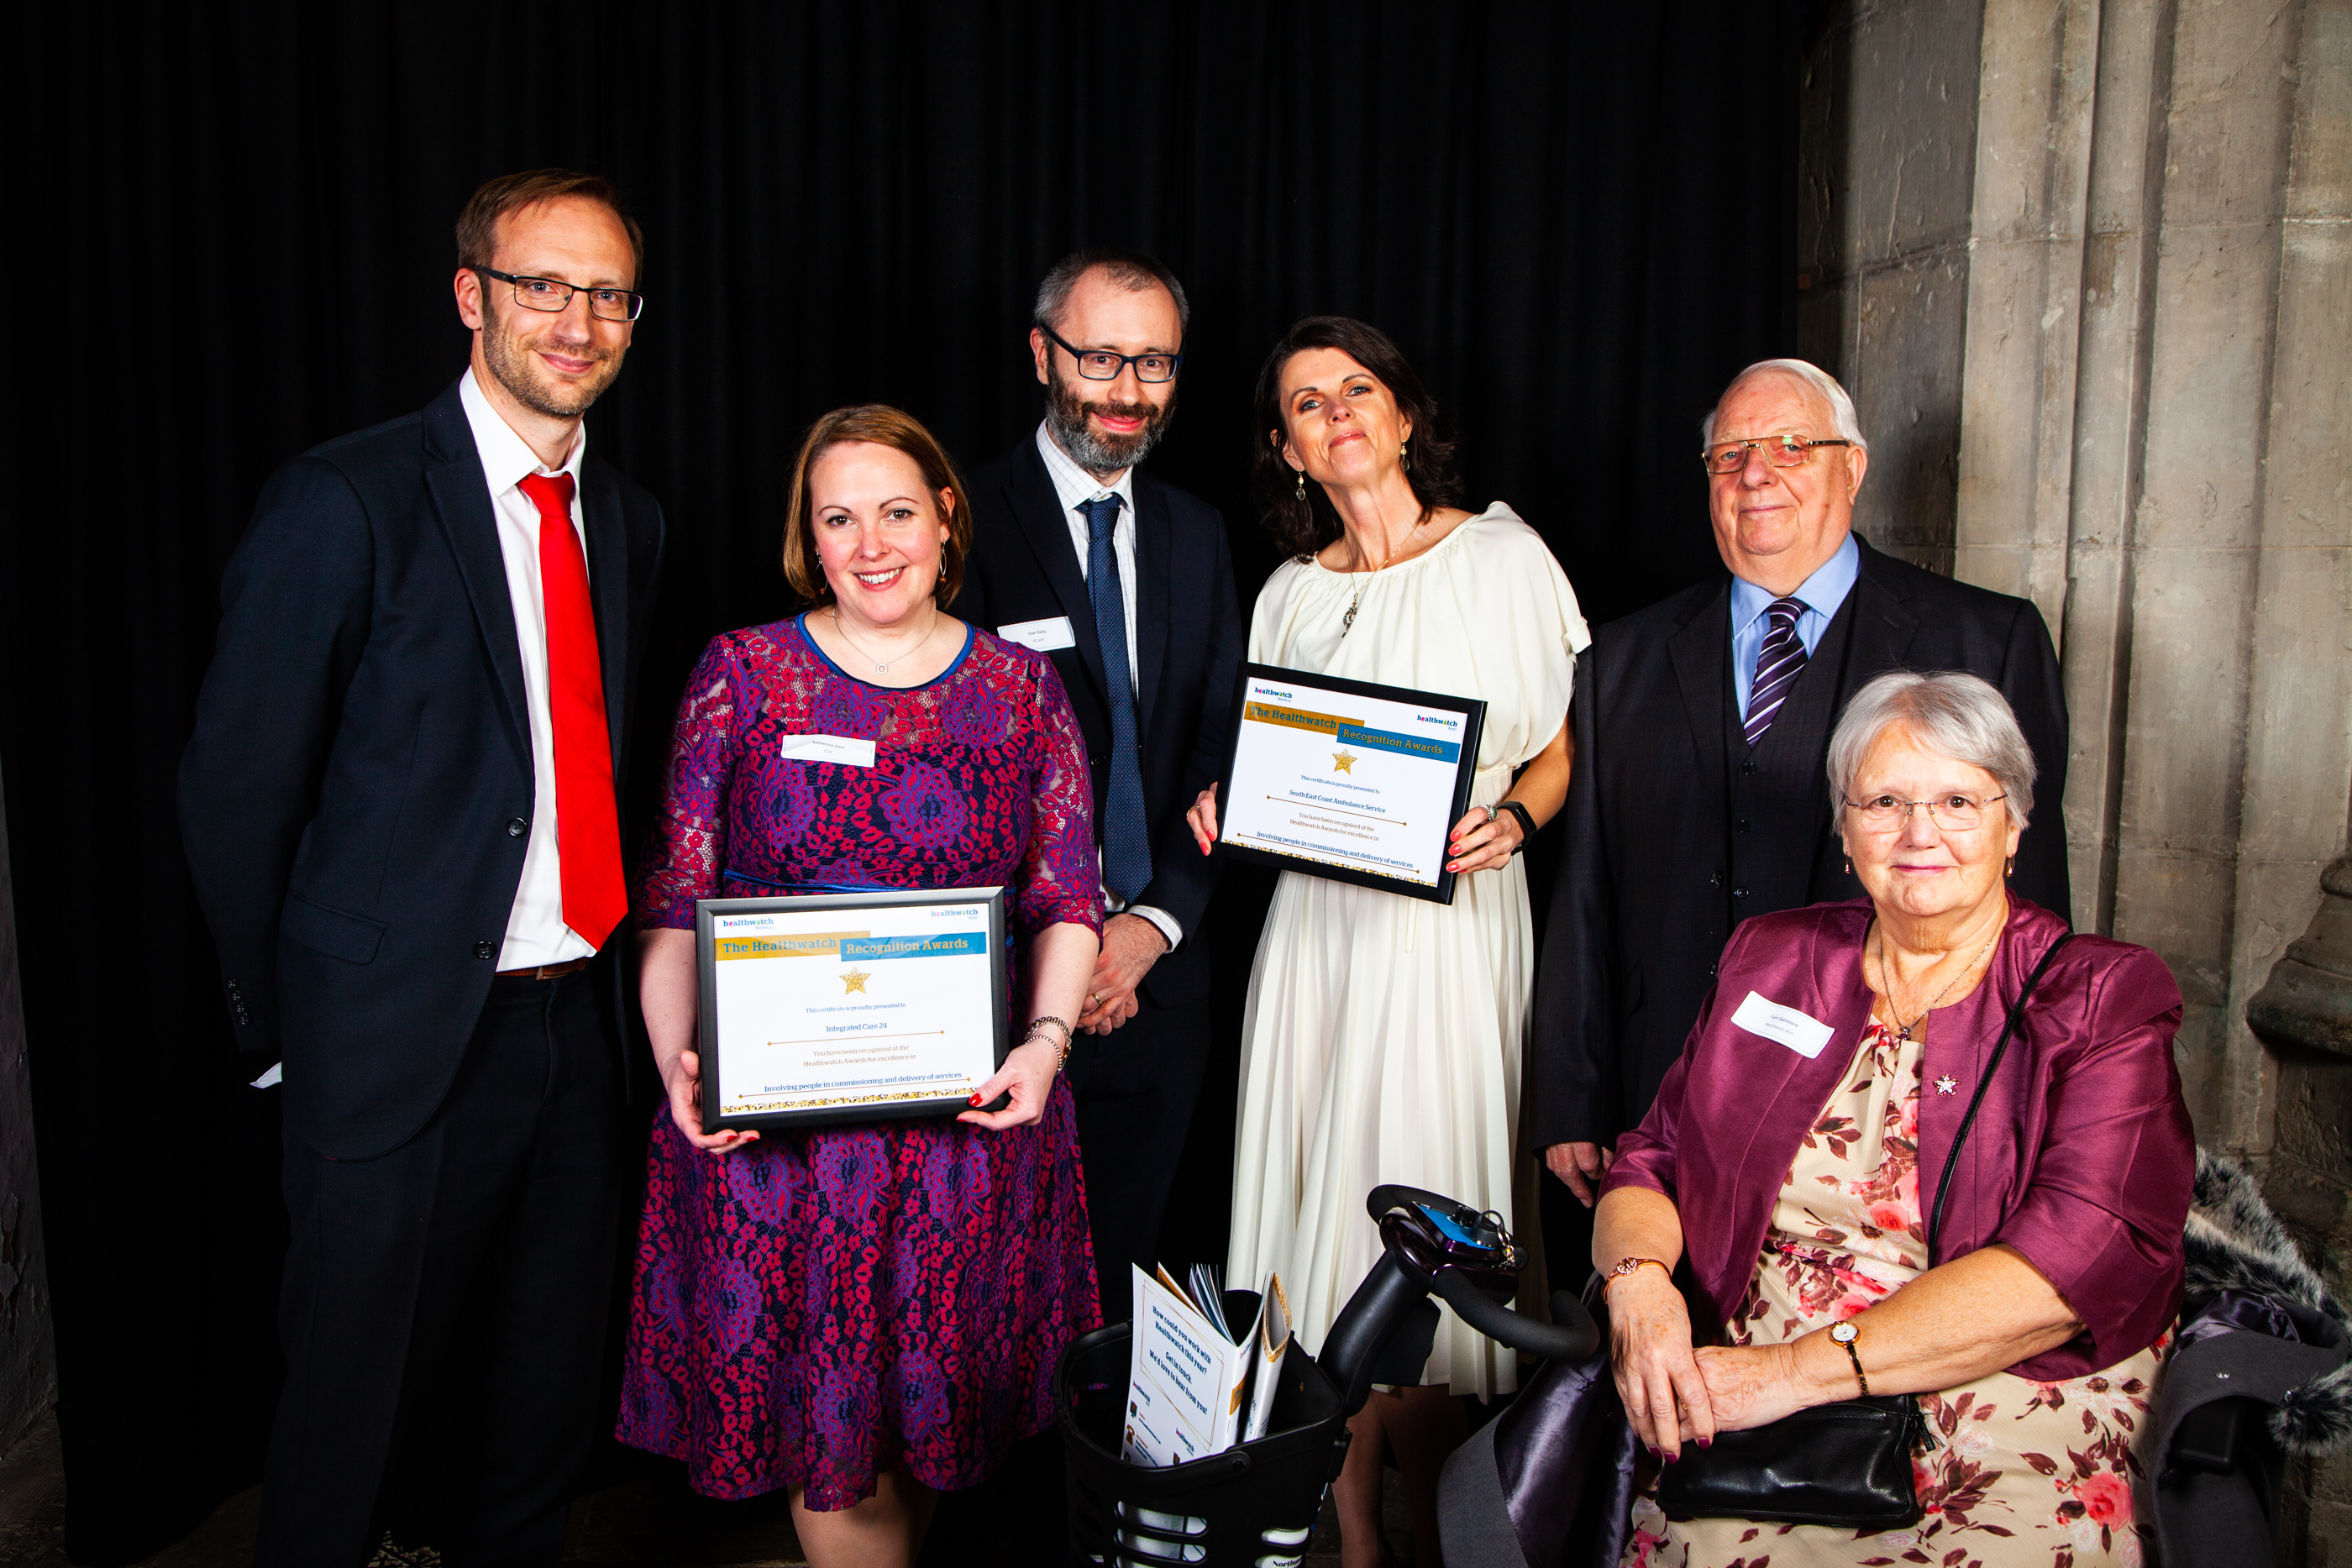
pixel 1402 448
pixel 1849 865
pixel 1302 483
pixel 2012 867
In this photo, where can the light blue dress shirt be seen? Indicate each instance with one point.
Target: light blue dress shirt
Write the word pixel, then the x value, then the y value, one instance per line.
pixel 1820 594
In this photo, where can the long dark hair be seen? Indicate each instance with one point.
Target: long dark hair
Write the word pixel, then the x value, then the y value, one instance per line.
pixel 1303 524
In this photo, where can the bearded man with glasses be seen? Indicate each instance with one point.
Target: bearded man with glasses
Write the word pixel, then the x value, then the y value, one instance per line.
pixel 1127 583
pixel 1702 725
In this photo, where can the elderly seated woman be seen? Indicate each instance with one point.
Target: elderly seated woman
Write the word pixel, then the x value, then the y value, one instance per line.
pixel 1819 1096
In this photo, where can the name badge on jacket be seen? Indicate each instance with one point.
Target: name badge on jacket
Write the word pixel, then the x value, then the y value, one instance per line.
pixel 1800 1033
pixel 1043 636
pixel 838 748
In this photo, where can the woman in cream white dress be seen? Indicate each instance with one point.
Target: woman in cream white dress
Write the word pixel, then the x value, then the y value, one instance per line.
pixel 1381 1042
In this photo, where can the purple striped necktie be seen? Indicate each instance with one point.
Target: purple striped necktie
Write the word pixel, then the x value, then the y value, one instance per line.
pixel 1778 663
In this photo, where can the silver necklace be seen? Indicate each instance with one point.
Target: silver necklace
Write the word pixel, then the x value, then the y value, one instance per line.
pixel 882 666
pixel 1887 984
pixel 1348 622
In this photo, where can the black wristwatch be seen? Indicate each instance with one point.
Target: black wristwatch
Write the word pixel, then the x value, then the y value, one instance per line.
pixel 1527 823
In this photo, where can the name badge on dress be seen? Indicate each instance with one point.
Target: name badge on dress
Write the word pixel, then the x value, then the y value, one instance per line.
pixel 1800 1033
pixel 838 748
pixel 1044 636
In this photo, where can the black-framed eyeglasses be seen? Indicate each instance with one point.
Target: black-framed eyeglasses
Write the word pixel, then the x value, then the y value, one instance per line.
pixel 1956 813
pixel 553 294
pixel 1780 451
pixel 1104 364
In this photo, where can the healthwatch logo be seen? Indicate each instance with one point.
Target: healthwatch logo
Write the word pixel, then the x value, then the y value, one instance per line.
pixel 1436 721
pixel 1275 691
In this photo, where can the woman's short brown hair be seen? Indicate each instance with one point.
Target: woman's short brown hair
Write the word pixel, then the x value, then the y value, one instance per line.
pixel 885 426
pixel 1303 524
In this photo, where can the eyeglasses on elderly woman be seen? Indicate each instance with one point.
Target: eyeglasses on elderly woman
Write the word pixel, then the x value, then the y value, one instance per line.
pixel 1955 812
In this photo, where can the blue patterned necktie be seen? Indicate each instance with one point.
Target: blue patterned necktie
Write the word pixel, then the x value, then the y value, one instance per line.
pixel 1778 663
pixel 1127 848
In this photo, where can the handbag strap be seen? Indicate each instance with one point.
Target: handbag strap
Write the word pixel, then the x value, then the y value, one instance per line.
pixel 1984 1081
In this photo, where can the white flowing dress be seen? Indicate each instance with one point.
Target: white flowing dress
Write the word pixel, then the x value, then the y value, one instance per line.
pixel 1382 1040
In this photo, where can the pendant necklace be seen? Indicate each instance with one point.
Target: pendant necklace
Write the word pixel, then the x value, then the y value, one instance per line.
pixel 1348 622
pixel 1886 985
pixel 882 666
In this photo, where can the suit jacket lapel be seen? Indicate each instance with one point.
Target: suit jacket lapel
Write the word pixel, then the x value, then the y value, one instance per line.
pixel 1029 493
pixel 461 499
pixel 608 589
pixel 1700 652
pixel 1155 561
pixel 1882 626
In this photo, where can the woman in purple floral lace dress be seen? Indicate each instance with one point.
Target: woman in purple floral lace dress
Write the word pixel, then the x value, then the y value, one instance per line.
pixel 867 1314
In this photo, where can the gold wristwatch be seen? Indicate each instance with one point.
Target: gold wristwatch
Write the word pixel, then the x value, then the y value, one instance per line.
pixel 1845 1333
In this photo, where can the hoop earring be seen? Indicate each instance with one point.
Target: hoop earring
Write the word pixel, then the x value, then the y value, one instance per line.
pixel 1302 483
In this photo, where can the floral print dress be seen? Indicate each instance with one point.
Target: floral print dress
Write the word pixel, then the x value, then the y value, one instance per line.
pixel 835 1301
pixel 2021 1472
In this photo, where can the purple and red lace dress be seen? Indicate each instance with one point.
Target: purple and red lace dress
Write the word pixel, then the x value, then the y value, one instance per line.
pixel 826 1305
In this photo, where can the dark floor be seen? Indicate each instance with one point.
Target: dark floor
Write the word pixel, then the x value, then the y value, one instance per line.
pixel 649 1520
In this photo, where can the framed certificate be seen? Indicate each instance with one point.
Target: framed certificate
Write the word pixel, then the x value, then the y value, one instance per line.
pixel 849 1007
pixel 1346 780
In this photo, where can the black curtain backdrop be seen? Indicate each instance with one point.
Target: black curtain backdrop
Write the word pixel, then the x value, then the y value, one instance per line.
pixel 233 242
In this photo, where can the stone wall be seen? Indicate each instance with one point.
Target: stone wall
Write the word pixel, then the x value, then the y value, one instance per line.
pixel 29 1371
pixel 2087 269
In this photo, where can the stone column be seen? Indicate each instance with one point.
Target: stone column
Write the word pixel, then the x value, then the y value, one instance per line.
pixel 2114 381
pixel 2304 1015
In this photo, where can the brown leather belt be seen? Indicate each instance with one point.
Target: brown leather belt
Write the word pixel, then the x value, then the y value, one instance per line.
pixel 547 972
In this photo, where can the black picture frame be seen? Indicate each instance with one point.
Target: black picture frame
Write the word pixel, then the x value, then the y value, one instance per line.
pixel 1473 719
pixel 712 1048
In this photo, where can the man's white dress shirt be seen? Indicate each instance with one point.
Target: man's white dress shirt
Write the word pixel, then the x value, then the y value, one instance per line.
pixel 536 933
pixel 1075 487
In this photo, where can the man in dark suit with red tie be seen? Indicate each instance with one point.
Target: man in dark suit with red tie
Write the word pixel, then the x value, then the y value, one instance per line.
pixel 1125 582
pixel 399 807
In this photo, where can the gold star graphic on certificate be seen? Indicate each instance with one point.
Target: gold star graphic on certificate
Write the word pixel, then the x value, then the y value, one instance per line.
pixel 1343 762
pixel 1944 1084
pixel 855 980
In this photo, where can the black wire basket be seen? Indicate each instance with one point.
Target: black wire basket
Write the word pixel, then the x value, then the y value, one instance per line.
pixel 1255 1503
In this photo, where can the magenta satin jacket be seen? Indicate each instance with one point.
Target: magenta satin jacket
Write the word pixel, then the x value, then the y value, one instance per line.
pixel 2081 1158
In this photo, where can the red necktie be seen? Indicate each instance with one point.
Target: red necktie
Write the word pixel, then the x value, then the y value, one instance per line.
pixel 587 825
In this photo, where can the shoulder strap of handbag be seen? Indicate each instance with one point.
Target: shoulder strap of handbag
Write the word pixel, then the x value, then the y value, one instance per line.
pixel 1984 1081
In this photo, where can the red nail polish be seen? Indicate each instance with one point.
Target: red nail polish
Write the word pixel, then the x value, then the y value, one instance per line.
pixel 974 1100
pixel 1707 1442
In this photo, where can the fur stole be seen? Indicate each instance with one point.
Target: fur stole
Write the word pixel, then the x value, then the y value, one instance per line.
pixel 2232 1240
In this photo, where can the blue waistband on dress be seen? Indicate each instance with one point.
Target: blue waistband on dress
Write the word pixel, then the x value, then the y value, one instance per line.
pixel 731 874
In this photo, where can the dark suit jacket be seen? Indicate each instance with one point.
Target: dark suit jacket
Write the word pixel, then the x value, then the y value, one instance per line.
pixel 1188 634
pixel 357 796
pixel 1644 904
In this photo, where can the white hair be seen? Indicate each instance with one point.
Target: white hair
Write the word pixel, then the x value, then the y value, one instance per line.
pixel 1949 712
pixel 1841 415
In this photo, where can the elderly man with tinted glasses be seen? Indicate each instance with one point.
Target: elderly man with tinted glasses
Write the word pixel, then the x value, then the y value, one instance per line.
pixel 1702 723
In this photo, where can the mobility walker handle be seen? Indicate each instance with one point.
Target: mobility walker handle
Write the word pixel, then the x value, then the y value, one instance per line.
pixel 1436 1246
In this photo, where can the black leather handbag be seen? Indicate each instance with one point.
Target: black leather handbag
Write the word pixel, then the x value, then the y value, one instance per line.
pixel 1846 1463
